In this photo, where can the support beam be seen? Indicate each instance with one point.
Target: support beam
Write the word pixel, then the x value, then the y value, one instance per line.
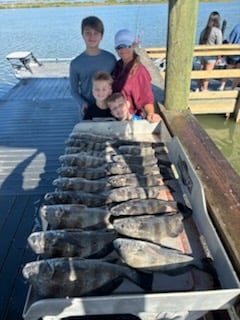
pixel 182 17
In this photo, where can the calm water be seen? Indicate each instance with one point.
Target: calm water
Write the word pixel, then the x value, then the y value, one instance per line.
pixel 55 32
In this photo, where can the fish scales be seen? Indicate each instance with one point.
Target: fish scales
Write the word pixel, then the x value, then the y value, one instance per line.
pixel 71 243
pixel 146 206
pixel 99 153
pixel 75 277
pixel 81 160
pixel 136 150
pixel 150 228
pixel 149 256
pixel 87 173
pixel 137 160
pixel 78 184
pixel 127 193
pixel 67 216
pixel 92 137
pixel 132 179
pixel 86 145
pixel 74 197
pixel 107 197
pixel 123 168
pixel 75 150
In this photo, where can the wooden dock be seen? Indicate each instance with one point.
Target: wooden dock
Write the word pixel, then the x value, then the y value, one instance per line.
pixel 36 118
pixel 212 101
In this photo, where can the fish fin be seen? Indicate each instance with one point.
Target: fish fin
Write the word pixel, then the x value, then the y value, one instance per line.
pixel 185 210
pixel 105 252
pixel 106 288
pixel 145 280
pixel 206 265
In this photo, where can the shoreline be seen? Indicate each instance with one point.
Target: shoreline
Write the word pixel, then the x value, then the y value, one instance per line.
pixel 75 4
pixel 56 4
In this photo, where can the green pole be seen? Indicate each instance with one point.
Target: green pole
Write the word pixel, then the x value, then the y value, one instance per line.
pixel 182 17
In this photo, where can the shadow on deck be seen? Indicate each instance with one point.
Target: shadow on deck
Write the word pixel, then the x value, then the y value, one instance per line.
pixel 36 119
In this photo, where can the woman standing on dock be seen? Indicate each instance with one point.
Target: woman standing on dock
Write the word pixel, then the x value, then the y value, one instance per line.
pixel 210 35
pixel 132 78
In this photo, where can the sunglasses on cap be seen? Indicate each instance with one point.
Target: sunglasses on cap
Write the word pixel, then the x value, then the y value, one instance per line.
pixel 123 46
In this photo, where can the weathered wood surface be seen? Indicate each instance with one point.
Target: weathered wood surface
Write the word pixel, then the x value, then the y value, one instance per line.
pixel 34 126
pixel 221 183
pixel 209 102
pixel 200 50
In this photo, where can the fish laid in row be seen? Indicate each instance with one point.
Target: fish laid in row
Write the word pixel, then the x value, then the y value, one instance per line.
pixel 147 256
pixel 108 197
pixel 116 181
pixel 108 169
pixel 86 160
pixel 67 216
pixel 150 228
pixel 72 242
pixel 75 277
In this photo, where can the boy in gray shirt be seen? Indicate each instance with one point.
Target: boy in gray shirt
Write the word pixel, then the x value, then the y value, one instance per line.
pixel 92 60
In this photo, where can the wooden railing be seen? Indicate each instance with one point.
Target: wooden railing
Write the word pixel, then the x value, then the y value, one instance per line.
pixel 227 101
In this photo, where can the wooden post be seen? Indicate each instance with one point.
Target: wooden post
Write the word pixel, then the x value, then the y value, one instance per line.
pixel 182 17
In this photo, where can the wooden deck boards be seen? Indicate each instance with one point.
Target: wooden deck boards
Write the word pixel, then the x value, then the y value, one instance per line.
pixel 36 118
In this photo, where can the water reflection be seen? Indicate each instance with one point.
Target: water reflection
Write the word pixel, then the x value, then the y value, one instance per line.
pixel 225 133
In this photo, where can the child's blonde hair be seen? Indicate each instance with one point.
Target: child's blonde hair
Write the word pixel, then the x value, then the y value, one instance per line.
pixel 103 76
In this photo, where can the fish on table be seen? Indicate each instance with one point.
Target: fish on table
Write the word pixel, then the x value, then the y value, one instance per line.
pixel 150 227
pixel 143 206
pixel 75 277
pixel 148 256
pixel 72 242
pixel 67 216
pixel 116 181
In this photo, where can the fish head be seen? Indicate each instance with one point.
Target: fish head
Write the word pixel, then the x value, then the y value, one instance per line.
pixel 176 227
pixel 125 225
pixel 37 242
pixel 122 244
pixel 38 271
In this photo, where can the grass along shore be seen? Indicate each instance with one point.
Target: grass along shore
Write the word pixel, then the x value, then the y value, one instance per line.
pixel 46 4
pixel 19 5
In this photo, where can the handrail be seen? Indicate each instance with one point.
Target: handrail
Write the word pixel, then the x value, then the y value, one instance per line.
pixel 199 50
pixel 227 101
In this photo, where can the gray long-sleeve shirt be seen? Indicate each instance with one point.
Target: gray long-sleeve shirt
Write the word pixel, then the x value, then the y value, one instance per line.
pixel 82 69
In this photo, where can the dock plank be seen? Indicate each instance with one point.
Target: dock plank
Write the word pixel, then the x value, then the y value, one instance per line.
pixel 32 134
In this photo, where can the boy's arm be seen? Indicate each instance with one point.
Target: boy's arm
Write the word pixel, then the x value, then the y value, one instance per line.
pixel 74 85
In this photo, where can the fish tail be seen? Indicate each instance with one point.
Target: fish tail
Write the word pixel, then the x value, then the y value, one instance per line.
pixel 184 209
pixel 206 265
pixel 144 280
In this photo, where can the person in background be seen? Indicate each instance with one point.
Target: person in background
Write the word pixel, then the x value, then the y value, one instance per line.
pixel 101 89
pixel 90 61
pixel 233 62
pixel 132 78
pixel 210 35
pixel 119 107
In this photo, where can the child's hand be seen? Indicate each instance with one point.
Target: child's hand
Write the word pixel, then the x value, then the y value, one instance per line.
pixel 154 117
